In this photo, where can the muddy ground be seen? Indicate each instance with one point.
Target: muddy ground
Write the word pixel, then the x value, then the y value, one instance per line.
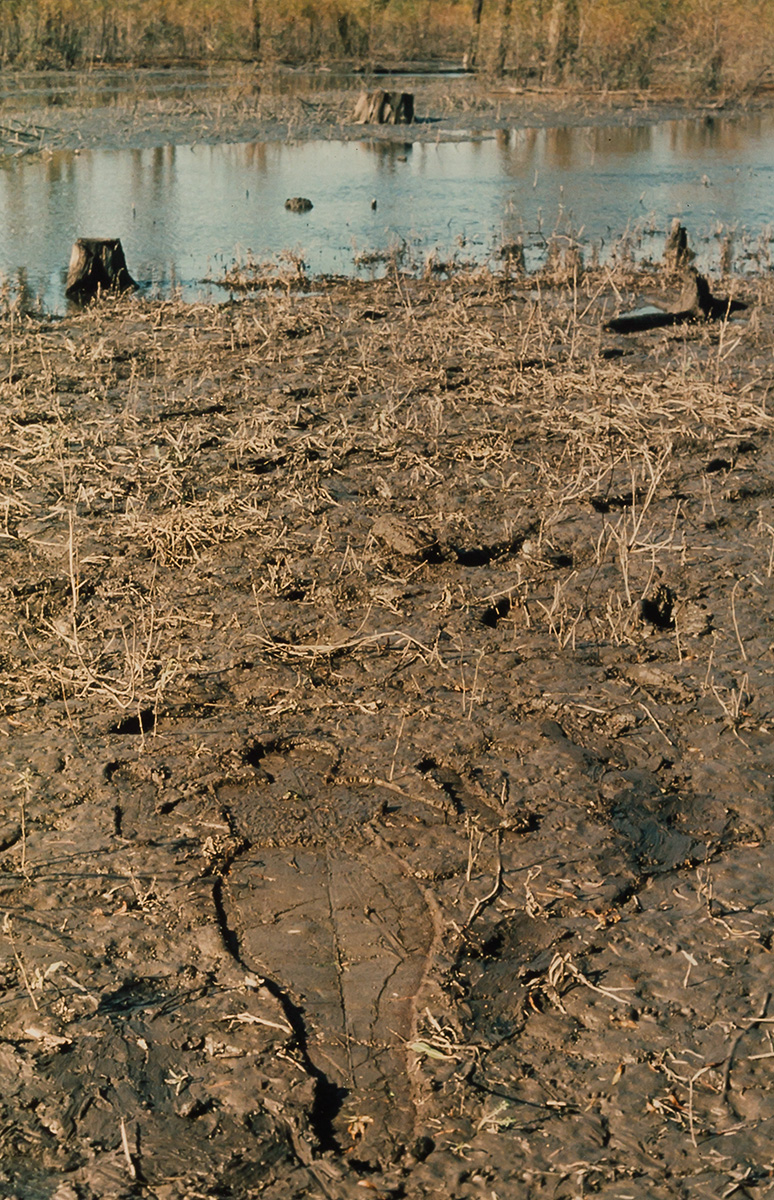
pixel 386 694
pixel 241 103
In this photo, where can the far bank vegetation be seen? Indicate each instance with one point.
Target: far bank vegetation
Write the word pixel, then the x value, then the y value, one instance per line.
pixel 686 46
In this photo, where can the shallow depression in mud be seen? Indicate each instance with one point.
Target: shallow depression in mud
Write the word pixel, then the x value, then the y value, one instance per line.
pixel 185 213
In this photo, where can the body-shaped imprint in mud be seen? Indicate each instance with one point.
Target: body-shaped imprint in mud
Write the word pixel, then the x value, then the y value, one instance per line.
pixel 352 944
pixel 345 929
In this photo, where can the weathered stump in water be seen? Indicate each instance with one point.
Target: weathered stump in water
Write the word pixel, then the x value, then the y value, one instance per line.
pixel 677 256
pixel 384 108
pixel 97 265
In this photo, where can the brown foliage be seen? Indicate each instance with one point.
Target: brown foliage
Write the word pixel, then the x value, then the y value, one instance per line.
pixel 704 45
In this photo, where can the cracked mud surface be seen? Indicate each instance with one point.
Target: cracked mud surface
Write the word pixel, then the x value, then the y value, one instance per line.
pixel 386 719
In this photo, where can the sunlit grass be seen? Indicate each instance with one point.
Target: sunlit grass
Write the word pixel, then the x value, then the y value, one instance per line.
pixel 683 45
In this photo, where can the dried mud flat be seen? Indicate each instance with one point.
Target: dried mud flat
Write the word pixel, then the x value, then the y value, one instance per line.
pixel 387 747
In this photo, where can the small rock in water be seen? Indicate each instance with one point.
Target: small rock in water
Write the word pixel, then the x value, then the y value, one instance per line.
pixel 298 204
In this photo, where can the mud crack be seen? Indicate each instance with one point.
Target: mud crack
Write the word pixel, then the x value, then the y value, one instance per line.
pixel 327 1096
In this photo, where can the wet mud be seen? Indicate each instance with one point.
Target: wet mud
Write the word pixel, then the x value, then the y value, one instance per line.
pixel 386 718
pixel 242 103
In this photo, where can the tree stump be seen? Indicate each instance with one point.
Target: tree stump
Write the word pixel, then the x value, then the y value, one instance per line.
pixel 97 265
pixel 384 108
pixel 677 256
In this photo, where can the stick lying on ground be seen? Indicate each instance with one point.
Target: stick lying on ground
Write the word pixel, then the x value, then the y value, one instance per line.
pixel 696 303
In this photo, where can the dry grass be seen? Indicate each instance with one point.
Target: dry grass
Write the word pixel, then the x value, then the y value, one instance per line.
pixel 148 499
pixel 437 564
pixel 693 45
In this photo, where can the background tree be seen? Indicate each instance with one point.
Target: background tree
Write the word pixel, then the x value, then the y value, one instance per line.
pixel 255 28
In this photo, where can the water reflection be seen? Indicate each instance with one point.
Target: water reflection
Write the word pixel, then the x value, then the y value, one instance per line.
pixel 184 212
pixel 17 292
pixel 387 156
pixel 256 156
pixel 713 133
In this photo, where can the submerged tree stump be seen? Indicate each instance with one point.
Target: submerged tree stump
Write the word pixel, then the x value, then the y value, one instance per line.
pixel 385 108
pixel 677 256
pixel 97 265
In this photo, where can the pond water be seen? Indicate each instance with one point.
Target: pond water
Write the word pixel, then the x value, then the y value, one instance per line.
pixel 186 213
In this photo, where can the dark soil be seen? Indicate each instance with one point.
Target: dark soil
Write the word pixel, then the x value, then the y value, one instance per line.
pixel 386 713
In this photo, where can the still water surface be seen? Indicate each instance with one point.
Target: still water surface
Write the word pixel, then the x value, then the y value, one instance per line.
pixel 185 213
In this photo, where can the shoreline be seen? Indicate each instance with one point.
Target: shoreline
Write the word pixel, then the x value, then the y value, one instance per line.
pixel 249 107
